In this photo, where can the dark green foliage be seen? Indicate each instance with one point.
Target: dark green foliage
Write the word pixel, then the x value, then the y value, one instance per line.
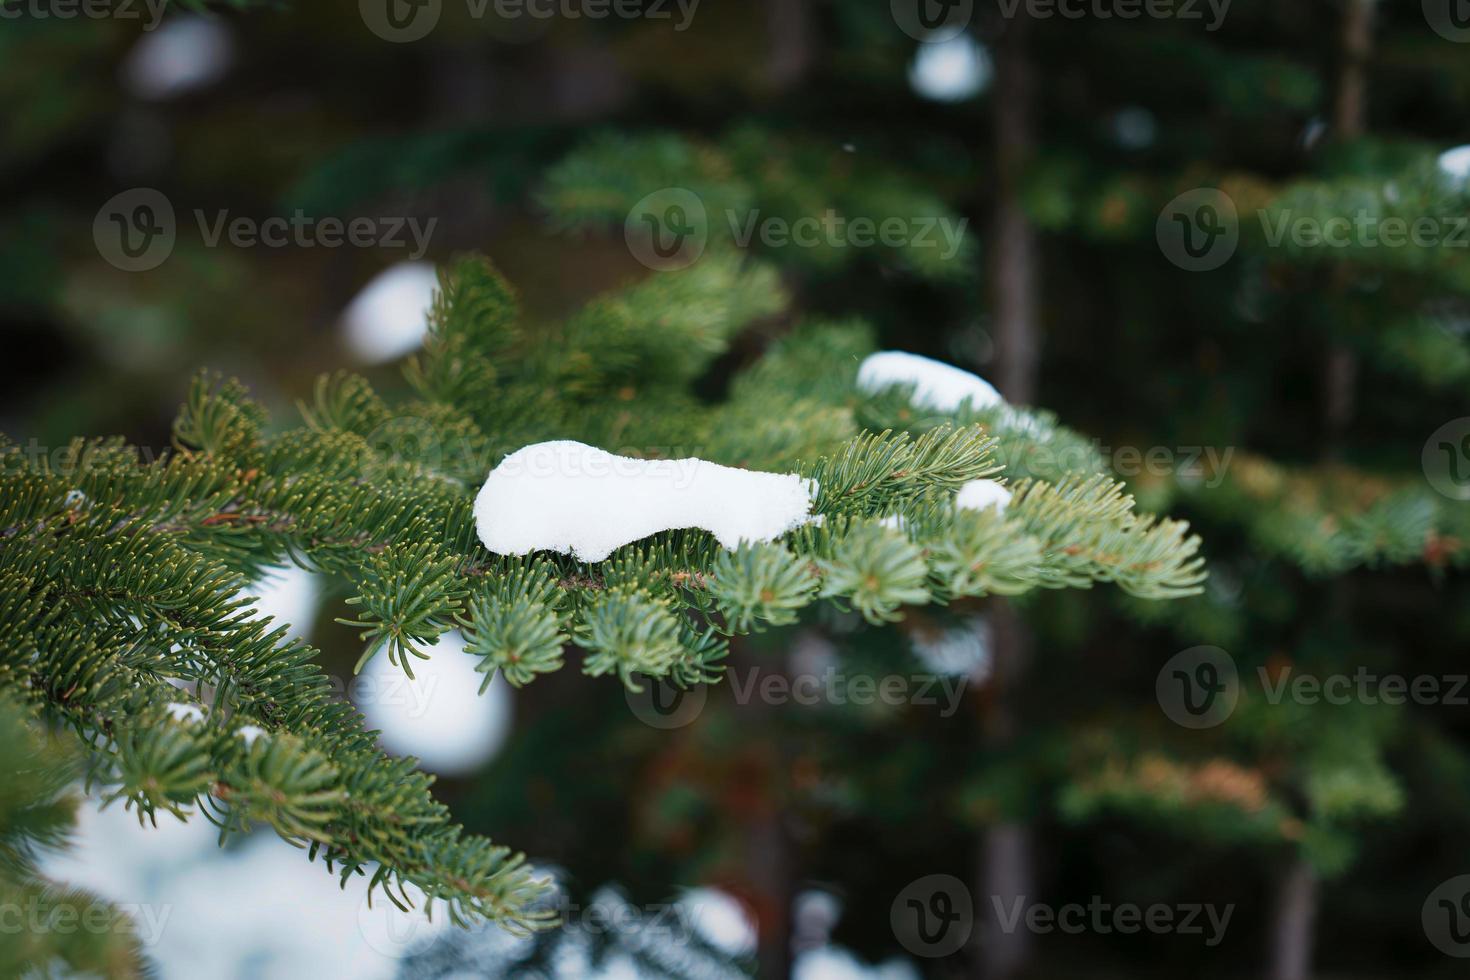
pixel 119 576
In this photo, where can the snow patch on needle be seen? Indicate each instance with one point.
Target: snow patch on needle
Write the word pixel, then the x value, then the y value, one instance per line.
pixel 583 501
pixel 980 494
pixel 939 386
pixel 180 711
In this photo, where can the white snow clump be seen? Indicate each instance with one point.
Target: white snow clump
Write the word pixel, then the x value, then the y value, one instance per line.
pixel 980 494
pixel 179 711
pixel 939 386
pixel 583 501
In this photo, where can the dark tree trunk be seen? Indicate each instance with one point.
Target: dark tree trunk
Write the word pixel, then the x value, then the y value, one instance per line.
pixel 1296 905
pixel 1005 874
pixel 771 856
pixel 1349 121
pixel 1005 877
pixel 1013 238
pixel 770 853
pixel 789 27
pixel 1296 912
pixel 1006 857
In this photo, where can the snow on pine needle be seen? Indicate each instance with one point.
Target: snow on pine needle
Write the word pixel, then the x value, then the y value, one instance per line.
pixel 578 500
pixel 938 386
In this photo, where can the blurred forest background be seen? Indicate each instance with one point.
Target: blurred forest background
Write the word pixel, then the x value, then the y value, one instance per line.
pixel 1304 404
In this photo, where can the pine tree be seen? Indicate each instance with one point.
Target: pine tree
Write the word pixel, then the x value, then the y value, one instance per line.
pixel 1306 785
pixel 46 926
pixel 126 582
pixel 1322 515
pixel 1327 549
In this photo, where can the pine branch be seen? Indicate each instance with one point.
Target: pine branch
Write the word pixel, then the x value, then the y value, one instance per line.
pixel 121 578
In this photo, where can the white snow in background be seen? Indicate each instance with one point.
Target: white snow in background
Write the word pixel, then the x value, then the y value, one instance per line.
pixel 582 501
pixel 815 913
pixel 390 316
pixel 980 494
pixel 942 387
pixel 836 963
pixel 721 919
pixel 182 54
pixel 974 495
pixel 1455 163
pixel 290 596
pixel 250 733
pixel 812 653
pixel 179 711
pixel 1012 419
pixel 257 910
pixel 1135 128
pixel 439 716
pixel 951 70
pixel 957 651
